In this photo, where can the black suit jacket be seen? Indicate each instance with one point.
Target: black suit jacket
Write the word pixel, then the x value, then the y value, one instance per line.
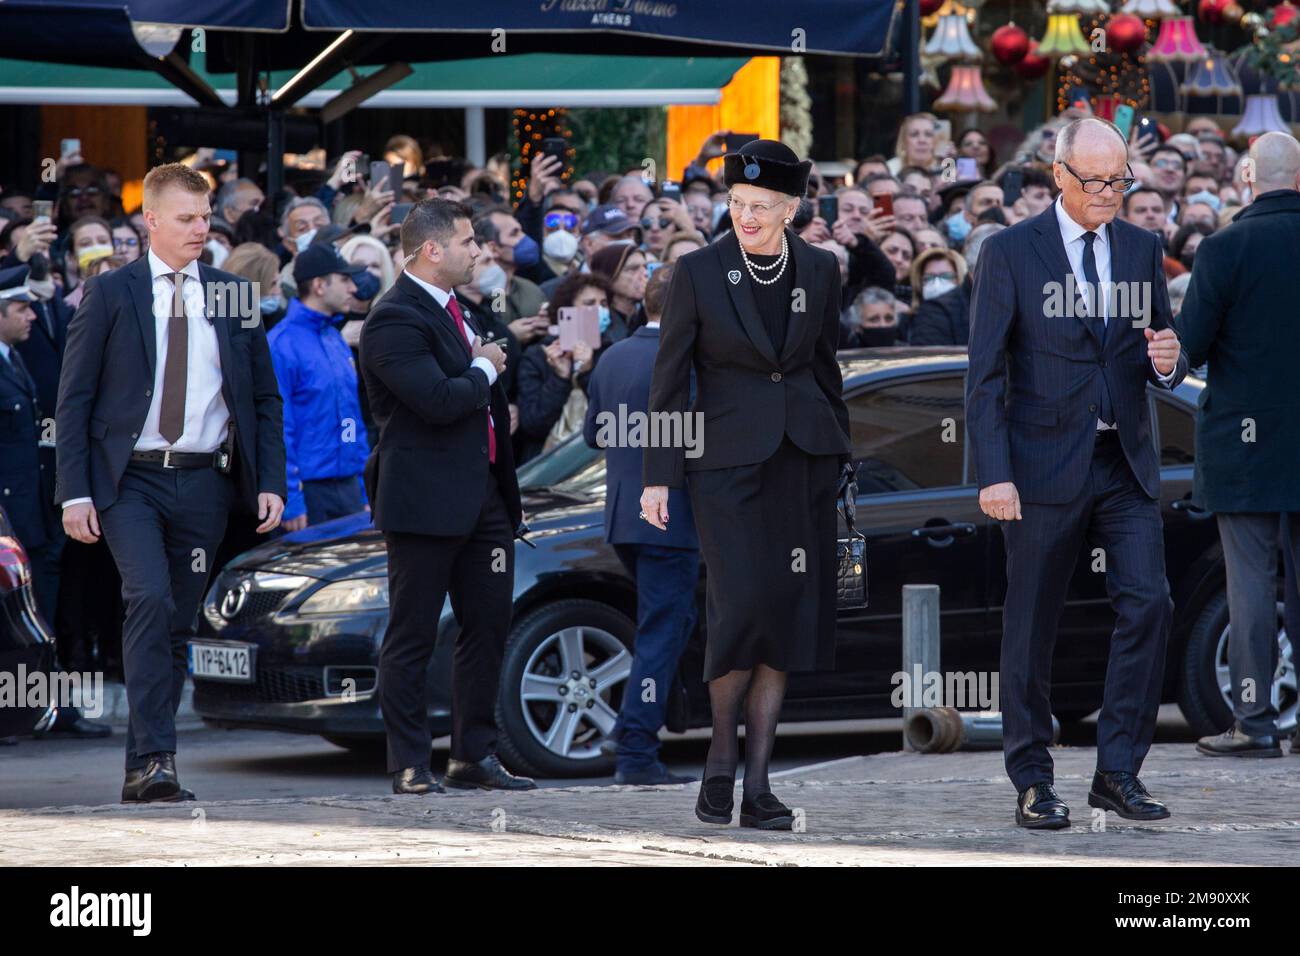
pixel 749 396
pixel 1240 315
pixel 1034 384
pixel 428 473
pixel 944 320
pixel 108 375
pixel 26 492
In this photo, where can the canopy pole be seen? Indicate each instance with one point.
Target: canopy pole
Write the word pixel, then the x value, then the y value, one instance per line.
pixel 475 136
pixel 910 49
pixel 274 152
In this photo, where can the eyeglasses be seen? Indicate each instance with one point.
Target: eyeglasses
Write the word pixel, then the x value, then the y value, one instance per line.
pixel 757 208
pixel 1094 186
pixel 936 276
pixel 78 191
pixel 130 243
pixel 1166 164
pixel 561 220
pixel 649 223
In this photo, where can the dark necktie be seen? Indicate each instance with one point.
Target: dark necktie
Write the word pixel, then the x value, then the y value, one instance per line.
pixel 171 412
pixel 453 307
pixel 1095 297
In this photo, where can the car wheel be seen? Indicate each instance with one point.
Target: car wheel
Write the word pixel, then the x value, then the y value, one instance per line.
pixel 562 680
pixel 1206 695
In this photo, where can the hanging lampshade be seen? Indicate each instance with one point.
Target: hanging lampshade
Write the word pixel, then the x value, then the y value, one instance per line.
pixel 965 92
pixel 1063 37
pixel 951 40
pixel 1211 76
pixel 1176 41
pixel 1260 116
pixel 1091 8
pixel 1151 9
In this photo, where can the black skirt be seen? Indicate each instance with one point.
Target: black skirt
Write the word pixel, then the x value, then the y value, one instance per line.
pixel 767 535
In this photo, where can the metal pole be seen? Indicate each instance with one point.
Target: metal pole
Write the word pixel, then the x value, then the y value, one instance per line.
pixel 911 52
pixel 475 136
pixel 274 152
pixel 920 641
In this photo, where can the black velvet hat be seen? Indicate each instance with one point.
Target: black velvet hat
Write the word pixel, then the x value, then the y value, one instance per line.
pixel 768 164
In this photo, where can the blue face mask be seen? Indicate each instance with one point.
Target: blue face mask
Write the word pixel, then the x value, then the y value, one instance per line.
pixel 958 227
pixel 367 286
pixel 604 318
pixel 270 304
pixel 526 252
pixel 1206 197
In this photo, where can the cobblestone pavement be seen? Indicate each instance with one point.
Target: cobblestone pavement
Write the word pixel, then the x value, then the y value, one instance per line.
pixel 893 809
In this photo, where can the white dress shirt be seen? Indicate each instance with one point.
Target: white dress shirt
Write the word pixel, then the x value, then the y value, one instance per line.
pixel 1072 237
pixel 207 419
pixel 442 297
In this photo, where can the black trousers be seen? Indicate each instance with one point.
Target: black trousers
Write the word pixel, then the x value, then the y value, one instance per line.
pixel 1111 512
pixel 478 569
pixel 163 531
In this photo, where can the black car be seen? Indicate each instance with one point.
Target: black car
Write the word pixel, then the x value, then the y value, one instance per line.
pixel 26 644
pixel 291 631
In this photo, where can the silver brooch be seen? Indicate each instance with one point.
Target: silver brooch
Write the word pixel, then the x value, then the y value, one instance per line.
pixel 734 276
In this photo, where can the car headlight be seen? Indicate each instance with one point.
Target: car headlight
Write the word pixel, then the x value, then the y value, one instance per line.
pixel 345 597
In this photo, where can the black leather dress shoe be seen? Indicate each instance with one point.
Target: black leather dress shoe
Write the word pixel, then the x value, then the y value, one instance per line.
pixel 487 774
pixel 70 723
pixel 766 812
pixel 416 780
pixel 714 803
pixel 1235 742
pixel 1123 792
pixel 656 776
pixel 1039 808
pixel 155 782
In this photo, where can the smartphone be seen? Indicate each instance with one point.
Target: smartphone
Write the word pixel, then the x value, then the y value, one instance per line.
pixel 42 210
pixel 69 147
pixel 556 146
pixel 396 179
pixel 363 164
pixel 671 190
pixel 399 211
pixel 966 168
pixel 828 207
pixel 734 141
pixel 378 172
pixel 1013 181
pixel 578 323
pixel 1124 119
pixel 885 203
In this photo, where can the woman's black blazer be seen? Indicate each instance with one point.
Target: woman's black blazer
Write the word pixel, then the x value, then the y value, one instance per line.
pixel 749 397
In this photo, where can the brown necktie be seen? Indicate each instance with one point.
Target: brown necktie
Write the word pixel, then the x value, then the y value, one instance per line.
pixel 171 413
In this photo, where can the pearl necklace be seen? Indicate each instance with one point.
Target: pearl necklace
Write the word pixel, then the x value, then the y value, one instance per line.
pixel 785 256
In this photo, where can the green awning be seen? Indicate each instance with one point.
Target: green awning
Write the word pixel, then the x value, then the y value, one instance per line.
pixel 530 79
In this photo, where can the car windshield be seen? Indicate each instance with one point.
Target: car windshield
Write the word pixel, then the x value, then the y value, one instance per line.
pixel 571 467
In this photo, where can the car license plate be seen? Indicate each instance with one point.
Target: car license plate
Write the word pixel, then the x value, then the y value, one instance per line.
pixel 228 662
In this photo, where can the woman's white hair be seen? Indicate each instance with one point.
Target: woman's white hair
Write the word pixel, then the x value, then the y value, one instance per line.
pixel 387 274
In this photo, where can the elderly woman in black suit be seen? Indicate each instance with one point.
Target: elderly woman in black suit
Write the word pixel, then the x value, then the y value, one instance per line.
pixel 756 314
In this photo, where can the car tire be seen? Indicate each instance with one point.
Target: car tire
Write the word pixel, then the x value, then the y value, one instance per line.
pixel 535 648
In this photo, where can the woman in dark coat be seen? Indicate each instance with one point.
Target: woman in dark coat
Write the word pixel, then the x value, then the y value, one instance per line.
pixel 756 314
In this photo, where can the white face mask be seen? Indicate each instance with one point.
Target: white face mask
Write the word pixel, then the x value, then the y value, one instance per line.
pixel 491 279
pixel 219 252
pixel 303 241
pixel 933 288
pixel 560 245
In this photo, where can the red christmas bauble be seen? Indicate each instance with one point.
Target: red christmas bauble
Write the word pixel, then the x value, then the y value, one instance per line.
pixel 1283 14
pixel 1033 66
pixel 930 7
pixel 1010 44
pixel 1125 32
pixel 1211 11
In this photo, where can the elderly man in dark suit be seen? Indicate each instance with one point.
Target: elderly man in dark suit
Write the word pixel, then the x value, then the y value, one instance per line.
pixel 1240 316
pixel 664 564
pixel 1056 408
pixel 168 409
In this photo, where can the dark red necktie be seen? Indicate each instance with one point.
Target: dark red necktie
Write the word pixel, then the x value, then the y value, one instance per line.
pixel 454 308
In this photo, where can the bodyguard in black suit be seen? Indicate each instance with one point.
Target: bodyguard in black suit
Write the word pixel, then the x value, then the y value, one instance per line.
pixel 1240 317
pixel 1056 409
pixel 441 482
pixel 168 409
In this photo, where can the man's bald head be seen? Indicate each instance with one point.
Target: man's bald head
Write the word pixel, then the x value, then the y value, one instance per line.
pixel 1099 138
pixel 1277 162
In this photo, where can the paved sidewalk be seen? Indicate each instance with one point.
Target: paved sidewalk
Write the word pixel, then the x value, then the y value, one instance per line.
pixel 903 809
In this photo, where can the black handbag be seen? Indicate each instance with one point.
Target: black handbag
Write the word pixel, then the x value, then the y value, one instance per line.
pixel 850 551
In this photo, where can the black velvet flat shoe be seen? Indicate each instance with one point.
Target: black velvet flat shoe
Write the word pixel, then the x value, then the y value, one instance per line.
pixel 766 812
pixel 715 801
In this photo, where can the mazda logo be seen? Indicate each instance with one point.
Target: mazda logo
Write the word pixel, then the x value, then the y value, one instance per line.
pixel 234 599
